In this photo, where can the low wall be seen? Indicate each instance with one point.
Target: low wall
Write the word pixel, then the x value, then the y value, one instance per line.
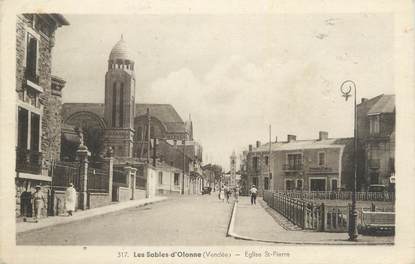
pixel 98 199
pixel 59 202
pixel 123 194
pixel 167 192
pixel 139 194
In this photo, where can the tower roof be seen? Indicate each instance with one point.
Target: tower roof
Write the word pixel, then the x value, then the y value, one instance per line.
pixel 121 51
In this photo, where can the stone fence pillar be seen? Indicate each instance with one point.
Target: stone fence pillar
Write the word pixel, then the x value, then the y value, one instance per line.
pixel 109 162
pixel 82 154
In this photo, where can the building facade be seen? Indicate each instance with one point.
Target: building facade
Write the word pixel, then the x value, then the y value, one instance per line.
pixel 376 136
pixel 38 116
pixel 321 164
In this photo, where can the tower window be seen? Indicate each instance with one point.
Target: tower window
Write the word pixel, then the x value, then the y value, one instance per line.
pixel 121 109
pixel 114 103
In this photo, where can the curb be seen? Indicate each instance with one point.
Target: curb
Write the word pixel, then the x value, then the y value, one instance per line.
pixel 231 224
pixel 116 207
pixel 231 233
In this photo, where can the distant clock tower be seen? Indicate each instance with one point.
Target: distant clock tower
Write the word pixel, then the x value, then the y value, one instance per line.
pixel 119 101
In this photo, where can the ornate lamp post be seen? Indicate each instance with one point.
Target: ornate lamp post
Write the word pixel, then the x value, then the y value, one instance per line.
pixel 346 89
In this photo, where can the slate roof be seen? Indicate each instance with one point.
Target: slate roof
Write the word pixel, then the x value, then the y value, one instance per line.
pixel 303 144
pixel 163 112
pixel 386 104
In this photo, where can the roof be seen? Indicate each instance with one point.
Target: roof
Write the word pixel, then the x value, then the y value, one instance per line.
pixel 163 112
pixel 303 144
pixel 386 104
pixel 121 51
pixel 60 19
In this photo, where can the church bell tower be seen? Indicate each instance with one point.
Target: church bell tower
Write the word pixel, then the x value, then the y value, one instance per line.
pixel 119 101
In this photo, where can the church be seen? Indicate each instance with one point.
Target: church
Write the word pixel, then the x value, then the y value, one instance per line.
pixel 134 131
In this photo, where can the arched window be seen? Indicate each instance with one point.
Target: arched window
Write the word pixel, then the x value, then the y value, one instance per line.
pixel 122 105
pixel 114 104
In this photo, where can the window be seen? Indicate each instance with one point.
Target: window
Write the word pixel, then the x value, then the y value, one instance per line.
pixel 31 57
pixel 289 185
pixel 114 103
pixel 266 183
pixel 374 125
pixel 266 160
pixel 299 184
pixel 255 181
pixel 121 108
pixel 321 159
pixel 334 185
pixel 160 177
pixel 295 161
pixel 22 133
pixel 28 134
pixel 176 179
pixel 34 131
pixel 255 163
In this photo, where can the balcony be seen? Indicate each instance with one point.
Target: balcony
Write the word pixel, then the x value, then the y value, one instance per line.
pixel 293 167
pixel 321 169
pixel 28 161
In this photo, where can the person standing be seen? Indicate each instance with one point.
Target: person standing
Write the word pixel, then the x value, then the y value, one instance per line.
pixel 253 192
pixel 236 194
pixel 70 199
pixel 39 202
pixel 227 193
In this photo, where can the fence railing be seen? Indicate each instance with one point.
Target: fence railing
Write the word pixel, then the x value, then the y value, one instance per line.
pixel 97 180
pixel 340 195
pixel 64 173
pixel 309 215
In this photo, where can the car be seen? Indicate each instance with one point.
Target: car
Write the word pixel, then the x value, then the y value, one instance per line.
pixel 206 190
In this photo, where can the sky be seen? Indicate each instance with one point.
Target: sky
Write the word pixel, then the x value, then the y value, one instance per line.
pixel 236 74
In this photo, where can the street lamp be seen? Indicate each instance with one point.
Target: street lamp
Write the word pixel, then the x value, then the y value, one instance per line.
pixel 346 89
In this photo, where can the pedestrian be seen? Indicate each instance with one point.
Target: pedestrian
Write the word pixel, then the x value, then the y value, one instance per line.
pixel 236 193
pixel 222 193
pixel 70 199
pixel 227 193
pixel 253 192
pixel 39 202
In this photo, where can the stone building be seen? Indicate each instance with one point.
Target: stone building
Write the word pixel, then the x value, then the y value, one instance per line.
pixel 322 164
pixel 39 93
pixel 376 136
pixel 127 126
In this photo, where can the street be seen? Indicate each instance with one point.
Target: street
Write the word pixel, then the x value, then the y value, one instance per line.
pixel 188 220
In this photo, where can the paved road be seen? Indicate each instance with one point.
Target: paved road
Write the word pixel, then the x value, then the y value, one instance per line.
pixel 191 220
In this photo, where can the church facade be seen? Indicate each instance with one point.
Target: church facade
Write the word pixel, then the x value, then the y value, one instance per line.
pixel 135 131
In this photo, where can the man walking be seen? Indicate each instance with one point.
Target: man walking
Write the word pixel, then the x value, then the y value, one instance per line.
pixel 70 199
pixel 253 192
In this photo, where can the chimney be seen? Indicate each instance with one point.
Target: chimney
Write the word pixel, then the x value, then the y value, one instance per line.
pixel 291 138
pixel 276 139
pixel 322 135
pixel 258 143
pixel 364 100
pixel 250 148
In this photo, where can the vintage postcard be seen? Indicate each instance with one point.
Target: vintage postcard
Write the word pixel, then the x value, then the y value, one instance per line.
pixel 208 132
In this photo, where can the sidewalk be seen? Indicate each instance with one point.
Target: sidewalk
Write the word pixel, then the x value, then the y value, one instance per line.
pixel 253 222
pixel 79 215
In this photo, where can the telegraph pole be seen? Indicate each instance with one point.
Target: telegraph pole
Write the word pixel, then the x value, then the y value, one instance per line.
pixel 184 164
